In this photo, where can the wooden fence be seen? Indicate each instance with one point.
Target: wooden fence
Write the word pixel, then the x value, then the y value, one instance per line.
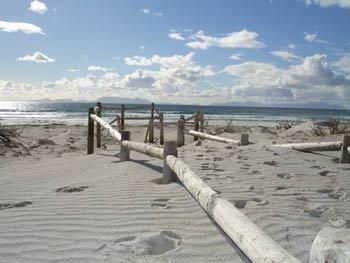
pixel 253 241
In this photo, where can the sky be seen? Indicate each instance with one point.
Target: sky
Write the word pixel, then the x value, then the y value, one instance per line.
pixel 167 51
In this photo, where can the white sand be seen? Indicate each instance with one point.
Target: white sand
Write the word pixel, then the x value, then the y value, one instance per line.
pixel 125 216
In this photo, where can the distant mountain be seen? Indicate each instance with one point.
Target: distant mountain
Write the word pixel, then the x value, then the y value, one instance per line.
pixel 310 105
pixel 120 100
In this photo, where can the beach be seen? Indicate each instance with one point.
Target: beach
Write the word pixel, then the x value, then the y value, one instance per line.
pixel 59 203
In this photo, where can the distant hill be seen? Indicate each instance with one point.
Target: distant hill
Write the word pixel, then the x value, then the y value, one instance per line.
pixel 310 105
pixel 120 100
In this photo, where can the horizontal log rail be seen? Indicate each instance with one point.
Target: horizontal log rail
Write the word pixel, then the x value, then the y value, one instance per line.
pixel 141 118
pixel 144 148
pixel 190 118
pixel 115 134
pixel 312 146
pixel 243 141
pixel 253 241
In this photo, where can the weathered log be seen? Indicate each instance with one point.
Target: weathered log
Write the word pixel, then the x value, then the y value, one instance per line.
pixel 151 125
pixel 201 120
pixel 144 148
pixel 108 127
pixel 90 138
pixel 124 151
pixel 168 174
pixel 254 242
pixel 345 154
pixel 311 146
pixel 122 117
pixel 140 118
pixel 196 125
pixel 244 139
pixel 331 245
pixel 161 128
pixel 181 124
pixel 212 137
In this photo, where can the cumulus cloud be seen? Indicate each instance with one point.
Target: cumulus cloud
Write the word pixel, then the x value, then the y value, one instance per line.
pixel 291 46
pixel 328 3
pixel 37 57
pixel 241 39
pixel 38 7
pixel 73 70
pixel 22 27
pixel 149 12
pixel 176 36
pixel 98 68
pixel 309 37
pixel 343 64
pixel 235 57
pixel 285 55
pixel 312 76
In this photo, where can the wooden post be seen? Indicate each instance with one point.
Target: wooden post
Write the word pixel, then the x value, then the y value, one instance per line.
pixel 181 124
pixel 168 175
pixel 90 138
pixel 98 126
pixel 124 151
pixel 119 123
pixel 244 139
pixel 345 155
pixel 161 128
pixel 122 116
pixel 196 124
pixel 201 119
pixel 151 125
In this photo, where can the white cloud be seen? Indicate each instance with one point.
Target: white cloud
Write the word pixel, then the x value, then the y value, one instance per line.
pixel 235 57
pixel 98 68
pixel 291 46
pixel 309 37
pixel 73 70
pixel 313 79
pixel 149 12
pixel 38 7
pixel 142 47
pixel 343 64
pixel 285 55
pixel 23 27
pixel 37 57
pixel 176 36
pixel 241 39
pixel 327 3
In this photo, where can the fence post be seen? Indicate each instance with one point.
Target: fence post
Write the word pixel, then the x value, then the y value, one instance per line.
pixel 244 139
pixel 151 125
pixel 90 138
pixel 161 128
pixel 124 151
pixel 119 123
pixel 196 124
pixel 181 131
pixel 201 118
pixel 98 126
pixel 345 155
pixel 168 175
pixel 122 116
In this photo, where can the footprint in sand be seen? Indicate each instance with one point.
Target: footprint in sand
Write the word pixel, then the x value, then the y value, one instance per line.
pixel 216 159
pixel 272 163
pixel 205 166
pixel 324 173
pixel 279 188
pixel 156 244
pixel 240 204
pixel 71 189
pixel 161 203
pixel 284 175
pixel 4 206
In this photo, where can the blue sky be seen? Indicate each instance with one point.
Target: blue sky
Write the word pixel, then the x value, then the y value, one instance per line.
pixel 176 51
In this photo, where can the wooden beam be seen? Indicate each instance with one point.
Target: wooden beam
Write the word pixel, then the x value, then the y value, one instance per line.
pixel 244 139
pixel 311 146
pixel 181 125
pixel 98 126
pixel 90 137
pixel 122 117
pixel 201 120
pixel 345 155
pixel 151 125
pixel 196 124
pixel 168 174
pixel 145 149
pixel 253 241
pixel 161 128
pixel 115 134
pixel 212 137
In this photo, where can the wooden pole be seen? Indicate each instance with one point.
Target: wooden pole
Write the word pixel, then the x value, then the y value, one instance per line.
pixel 151 125
pixel 98 126
pixel 311 146
pixel 124 151
pixel 168 174
pixel 122 116
pixel 345 155
pixel 119 124
pixel 90 138
pixel 161 128
pixel 212 137
pixel 201 119
pixel 244 139
pixel 196 124
pixel 181 131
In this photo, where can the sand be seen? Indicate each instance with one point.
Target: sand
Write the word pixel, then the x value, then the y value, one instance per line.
pixel 59 205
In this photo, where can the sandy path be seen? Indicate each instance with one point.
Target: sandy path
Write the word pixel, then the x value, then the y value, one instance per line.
pixel 118 218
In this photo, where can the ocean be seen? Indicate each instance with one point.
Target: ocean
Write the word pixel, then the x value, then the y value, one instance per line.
pixel 18 112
